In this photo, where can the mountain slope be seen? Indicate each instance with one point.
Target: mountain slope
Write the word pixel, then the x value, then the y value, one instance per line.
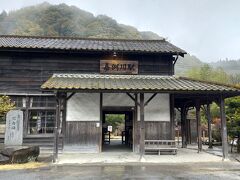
pixel 63 20
pixel 187 63
pixel 229 66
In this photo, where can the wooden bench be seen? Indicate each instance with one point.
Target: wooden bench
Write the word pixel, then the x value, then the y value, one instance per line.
pixel 161 146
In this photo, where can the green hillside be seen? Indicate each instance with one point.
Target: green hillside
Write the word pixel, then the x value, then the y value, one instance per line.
pixel 187 63
pixel 229 66
pixel 63 20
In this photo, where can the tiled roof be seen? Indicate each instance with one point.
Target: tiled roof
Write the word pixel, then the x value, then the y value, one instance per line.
pixel 132 83
pixel 81 44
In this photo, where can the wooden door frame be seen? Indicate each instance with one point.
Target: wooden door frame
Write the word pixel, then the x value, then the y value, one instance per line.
pixel 120 110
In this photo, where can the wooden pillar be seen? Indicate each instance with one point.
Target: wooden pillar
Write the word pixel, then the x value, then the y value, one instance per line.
pixel 223 129
pixel 57 127
pixel 135 122
pixel 183 126
pixel 64 118
pixel 190 132
pixel 142 126
pixel 198 119
pixel 25 124
pixel 209 126
pixel 187 125
pixel 101 121
pixel 172 118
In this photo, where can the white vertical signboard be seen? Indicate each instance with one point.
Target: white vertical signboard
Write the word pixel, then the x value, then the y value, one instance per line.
pixel 14 128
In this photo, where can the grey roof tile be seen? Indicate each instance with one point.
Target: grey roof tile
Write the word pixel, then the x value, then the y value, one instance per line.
pixel 132 82
pixel 81 44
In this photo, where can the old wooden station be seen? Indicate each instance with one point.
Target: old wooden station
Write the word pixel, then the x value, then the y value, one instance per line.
pixel 66 86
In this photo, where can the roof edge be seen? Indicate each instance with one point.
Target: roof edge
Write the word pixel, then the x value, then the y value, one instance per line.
pixel 209 82
pixel 82 38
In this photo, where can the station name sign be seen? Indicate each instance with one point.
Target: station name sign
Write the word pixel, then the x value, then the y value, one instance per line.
pixel 118 67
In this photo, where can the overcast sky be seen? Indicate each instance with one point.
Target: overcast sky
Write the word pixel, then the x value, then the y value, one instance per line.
pixel 208 29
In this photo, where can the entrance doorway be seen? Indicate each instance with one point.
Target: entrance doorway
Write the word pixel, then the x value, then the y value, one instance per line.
pixel 117 131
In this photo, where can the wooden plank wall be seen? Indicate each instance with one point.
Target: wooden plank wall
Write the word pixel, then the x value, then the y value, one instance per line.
pixel 25 72
pixel 82 134
pixel 154 130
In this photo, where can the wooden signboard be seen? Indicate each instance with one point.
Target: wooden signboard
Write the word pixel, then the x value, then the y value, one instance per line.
pixel 118 67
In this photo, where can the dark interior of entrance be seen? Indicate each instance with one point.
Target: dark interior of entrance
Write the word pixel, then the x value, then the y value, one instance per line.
pixel 117 132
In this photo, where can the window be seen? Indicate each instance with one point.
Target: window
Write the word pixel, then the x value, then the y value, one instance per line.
pixel 41 101
pixel 41 121
pixel 19 101
pixel 42 111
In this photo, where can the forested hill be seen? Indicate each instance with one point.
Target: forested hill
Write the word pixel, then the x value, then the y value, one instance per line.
pixel 229 66
pixel 63 20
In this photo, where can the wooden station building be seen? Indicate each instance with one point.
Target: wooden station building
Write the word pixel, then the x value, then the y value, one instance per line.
pixel 66 86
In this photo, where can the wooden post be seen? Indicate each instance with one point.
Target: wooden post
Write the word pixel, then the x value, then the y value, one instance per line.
pixel 64 119
pixel 190 132
pixel 142 126
pixel 172 122
pixel 223 129
pixel 183 126
pixel 26 119
pixel 187 129
pixel 198 119
pixel 209 126
pixel 101 121
pixel 135 121
pixel 56 127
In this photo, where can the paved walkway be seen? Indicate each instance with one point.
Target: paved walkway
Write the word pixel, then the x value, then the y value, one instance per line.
pixel 111 155
pixel 183 156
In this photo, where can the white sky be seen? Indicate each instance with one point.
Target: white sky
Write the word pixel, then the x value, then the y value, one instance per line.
pixel 209 29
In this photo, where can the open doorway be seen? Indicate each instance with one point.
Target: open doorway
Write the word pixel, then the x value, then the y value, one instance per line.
pixel 117 131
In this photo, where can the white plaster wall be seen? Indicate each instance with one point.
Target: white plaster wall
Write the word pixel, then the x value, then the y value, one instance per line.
pixel 84 107
pixel 158 109
pixel 117 99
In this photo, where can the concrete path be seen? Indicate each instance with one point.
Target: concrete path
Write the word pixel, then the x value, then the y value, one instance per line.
pixel 183 156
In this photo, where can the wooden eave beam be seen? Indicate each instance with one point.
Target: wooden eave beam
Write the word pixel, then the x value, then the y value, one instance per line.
pixel 71 95
pixel 149 100
pixel 146 103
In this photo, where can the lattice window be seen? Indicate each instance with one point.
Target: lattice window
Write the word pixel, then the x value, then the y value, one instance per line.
pixel 41 121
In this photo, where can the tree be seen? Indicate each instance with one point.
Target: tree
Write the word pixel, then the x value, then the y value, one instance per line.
pixel 233 119
pixel 28 28
pixel 116 121
pixel 5 106
pixel 207 73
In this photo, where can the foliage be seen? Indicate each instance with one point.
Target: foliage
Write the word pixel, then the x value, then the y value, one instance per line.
pixel 63 20
pixel 230 66
pixel 5 105
pixel 233 118
pixel 116 121
pixel 190 62
pixel 207 73
pixel 187 63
